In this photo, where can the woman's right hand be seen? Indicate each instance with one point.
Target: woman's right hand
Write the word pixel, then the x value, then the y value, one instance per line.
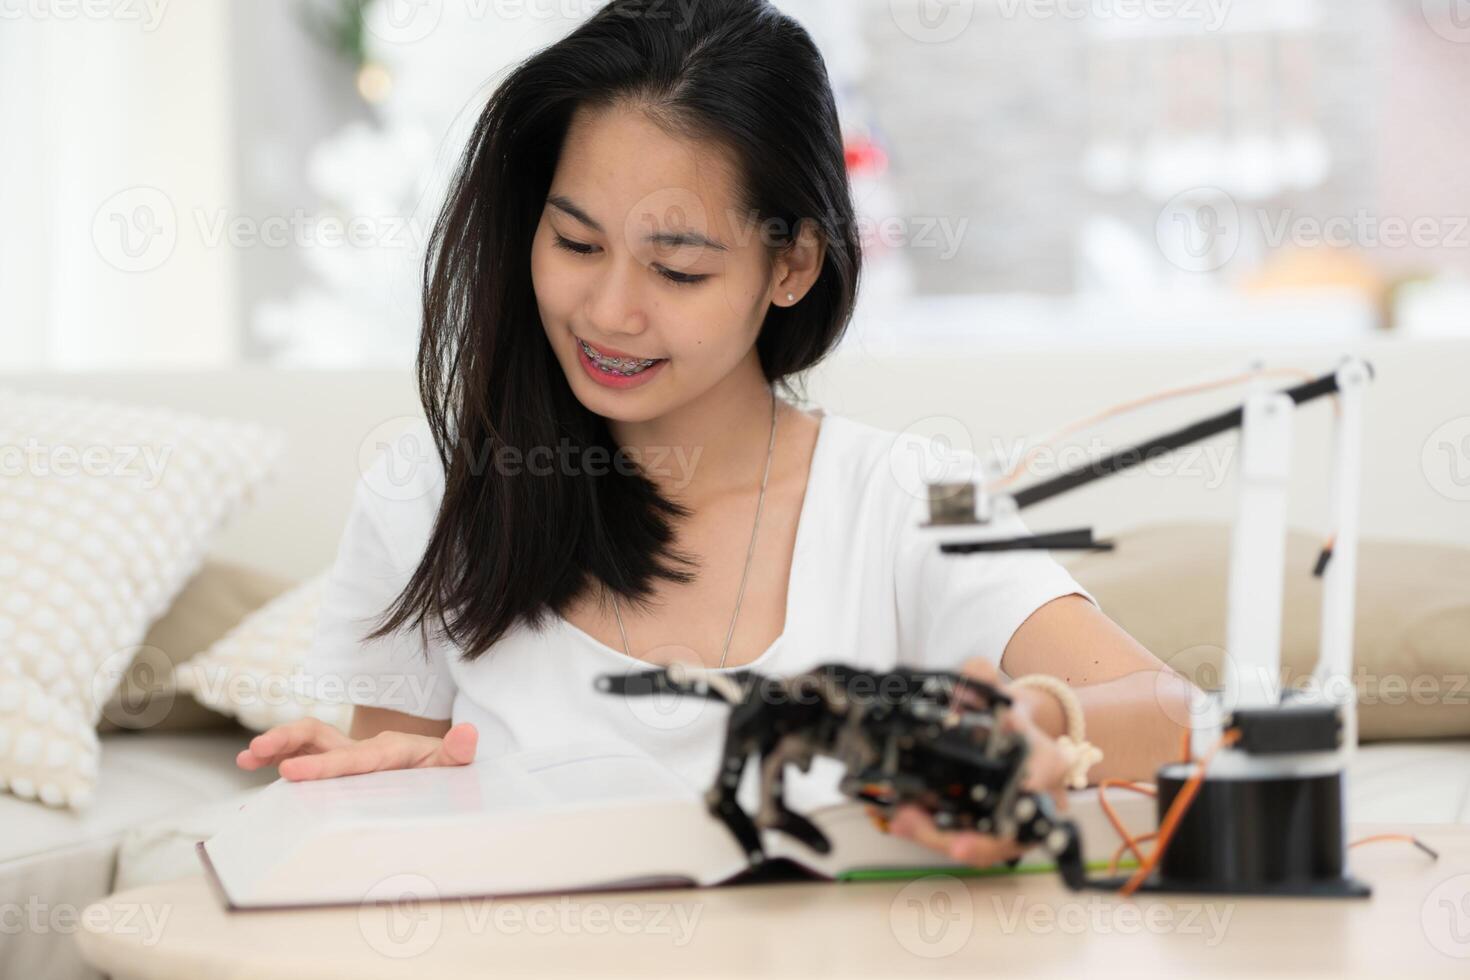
pixel 309 748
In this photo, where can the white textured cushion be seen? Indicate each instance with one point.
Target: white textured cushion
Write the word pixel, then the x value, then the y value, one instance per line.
pixel 254 672
pixel 108 510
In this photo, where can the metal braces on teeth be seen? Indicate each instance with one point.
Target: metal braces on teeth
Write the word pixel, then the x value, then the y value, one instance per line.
pixel 618 365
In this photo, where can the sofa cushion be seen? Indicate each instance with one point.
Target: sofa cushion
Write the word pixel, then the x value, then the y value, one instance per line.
pixel 1167 584
pixel 211 605
pixel 108 511
pixel 255 672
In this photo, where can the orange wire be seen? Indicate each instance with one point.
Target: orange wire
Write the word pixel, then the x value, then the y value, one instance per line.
pixel 1118 854
pixel 1375 838
pixel 1122 408
pixel 1407 838
pixel 1129 841
pixel 1176 813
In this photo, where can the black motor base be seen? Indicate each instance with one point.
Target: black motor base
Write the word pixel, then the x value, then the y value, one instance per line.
pixel 1255 836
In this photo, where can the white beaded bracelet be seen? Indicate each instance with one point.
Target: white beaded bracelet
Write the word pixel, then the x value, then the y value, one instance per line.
pixel 1081 754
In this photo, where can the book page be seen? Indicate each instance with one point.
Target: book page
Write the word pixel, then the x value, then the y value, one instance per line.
pixel 593 773
pixel 564 776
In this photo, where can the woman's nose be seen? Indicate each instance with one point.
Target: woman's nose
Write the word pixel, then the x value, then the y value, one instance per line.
pixel 616 303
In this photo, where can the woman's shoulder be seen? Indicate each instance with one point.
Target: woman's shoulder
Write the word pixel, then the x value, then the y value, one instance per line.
pixel 898 464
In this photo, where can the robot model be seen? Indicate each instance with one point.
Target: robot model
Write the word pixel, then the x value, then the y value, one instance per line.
pixel 930 738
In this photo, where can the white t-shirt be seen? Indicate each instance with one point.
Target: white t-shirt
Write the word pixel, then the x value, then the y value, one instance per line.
pixel 866 588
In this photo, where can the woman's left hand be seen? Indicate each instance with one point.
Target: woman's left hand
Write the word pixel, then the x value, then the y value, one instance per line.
pixel 1046 769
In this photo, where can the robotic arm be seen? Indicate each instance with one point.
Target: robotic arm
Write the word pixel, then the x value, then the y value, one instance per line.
pixel 1269 818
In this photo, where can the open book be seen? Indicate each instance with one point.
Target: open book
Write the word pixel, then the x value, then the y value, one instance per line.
pixel 573 818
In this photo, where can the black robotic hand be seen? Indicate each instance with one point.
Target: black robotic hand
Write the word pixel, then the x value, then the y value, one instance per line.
pixel 929 738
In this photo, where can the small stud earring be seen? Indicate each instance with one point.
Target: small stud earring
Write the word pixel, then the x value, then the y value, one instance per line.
pixel 791 297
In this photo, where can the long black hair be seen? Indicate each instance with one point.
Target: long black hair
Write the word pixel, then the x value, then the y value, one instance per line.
pixel 508 547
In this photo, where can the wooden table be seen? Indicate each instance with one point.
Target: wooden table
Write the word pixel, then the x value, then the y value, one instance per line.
pixel 1417 924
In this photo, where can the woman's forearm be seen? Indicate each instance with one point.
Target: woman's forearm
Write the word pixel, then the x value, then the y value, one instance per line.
pixel 1136 720
pixel 1136 708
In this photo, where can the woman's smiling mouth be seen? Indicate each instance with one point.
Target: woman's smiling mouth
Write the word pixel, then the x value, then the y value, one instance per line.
pixel 617 363
pixel 617 372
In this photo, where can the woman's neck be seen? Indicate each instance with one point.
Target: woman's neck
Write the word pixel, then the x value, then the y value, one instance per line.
pixel 713 445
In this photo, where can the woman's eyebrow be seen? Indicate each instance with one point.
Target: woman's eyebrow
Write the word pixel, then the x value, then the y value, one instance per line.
pixel 667 238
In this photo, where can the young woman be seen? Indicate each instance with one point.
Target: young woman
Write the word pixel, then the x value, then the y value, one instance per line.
pixel 649 234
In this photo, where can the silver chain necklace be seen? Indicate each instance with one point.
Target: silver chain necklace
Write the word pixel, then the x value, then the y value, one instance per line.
pixel 749 552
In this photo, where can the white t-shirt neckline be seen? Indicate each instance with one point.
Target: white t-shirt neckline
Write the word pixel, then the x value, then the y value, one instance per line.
pixel 803 523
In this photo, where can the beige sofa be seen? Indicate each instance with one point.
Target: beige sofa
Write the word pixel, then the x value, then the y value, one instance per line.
pixel 161 791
